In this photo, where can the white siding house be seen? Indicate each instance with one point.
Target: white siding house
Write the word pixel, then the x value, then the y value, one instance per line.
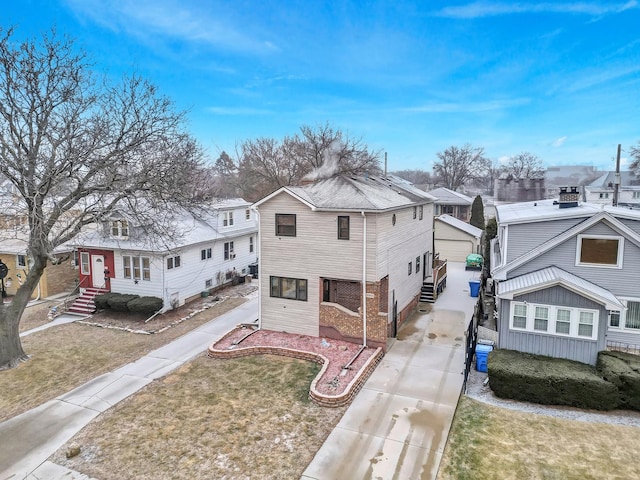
pixel 214 249
pixel 326 245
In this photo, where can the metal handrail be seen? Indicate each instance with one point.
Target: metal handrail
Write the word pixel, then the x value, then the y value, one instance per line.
pixel 77 287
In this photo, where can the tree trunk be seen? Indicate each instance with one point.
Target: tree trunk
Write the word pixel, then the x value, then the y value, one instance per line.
pixel 11 352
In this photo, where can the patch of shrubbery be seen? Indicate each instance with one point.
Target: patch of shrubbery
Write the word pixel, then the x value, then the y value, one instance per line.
pixel 550 381
pixel 145 305
pixel 121 302
pixel 623 371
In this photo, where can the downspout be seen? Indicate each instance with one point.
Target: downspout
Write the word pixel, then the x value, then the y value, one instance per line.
pixel 258 249
pixel 364 280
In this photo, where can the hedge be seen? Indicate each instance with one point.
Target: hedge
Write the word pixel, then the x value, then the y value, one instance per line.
pixel 118 301
pixel 549 381
pixel 145 305
pixel 102 301
pixel 622 370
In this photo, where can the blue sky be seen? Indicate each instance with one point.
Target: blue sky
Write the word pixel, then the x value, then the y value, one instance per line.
pixel 557 79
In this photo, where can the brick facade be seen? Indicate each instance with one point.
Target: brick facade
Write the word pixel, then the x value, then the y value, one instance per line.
pixel 340 325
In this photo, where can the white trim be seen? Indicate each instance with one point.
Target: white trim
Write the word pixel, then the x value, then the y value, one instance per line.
pixel 623 317
pixel 574 321
pixel 618 264
pixel 82 263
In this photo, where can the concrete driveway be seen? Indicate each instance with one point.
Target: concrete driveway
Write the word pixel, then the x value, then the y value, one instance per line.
pixel 397 426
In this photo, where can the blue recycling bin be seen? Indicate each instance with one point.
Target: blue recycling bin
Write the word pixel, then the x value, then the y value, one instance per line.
pixel 482 355
pixel 474 287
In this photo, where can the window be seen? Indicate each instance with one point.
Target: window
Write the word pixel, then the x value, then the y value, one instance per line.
pixel 136 267
pixel 604 194
pixel 173 262
pixel 120 228
pixel 636 195
pixel 519 316
pixel 343 292
pixel 84 263
pixel 393 219
pixel 227 219
pixel 410 269
pixel 563 321
pixel 21 261
pixel 614 319
pixel 228 251
pixel 420 212
pixel 549 319
pixel 76 259
pixel 541 319
pixel 343 228
pixel 417 264
pixel 208 283
pixel 251 244
pixel 585 325
pixel 285 225
pixel 205 253
pixel 291 288
pixel 603 251
pixel 415 212
pixel 632 319
pixel 247 214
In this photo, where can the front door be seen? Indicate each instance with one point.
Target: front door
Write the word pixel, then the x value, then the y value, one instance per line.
pixel 97 271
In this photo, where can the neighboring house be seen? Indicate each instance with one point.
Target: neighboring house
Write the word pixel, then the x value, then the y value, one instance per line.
pixel 58 278
pixel 508 188
pixel 455 239
pixel 325 246
pixel 452 203
pixel 601 190
pixel 566 277
pixel 213 250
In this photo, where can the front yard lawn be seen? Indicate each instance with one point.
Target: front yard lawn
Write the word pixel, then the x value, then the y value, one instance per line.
pixel 245 418
pixel 488 442
pixel 66 356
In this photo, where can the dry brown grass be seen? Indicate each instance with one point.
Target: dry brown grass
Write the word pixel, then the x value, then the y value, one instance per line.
pixel 246 418
pixel 36 315
pixel 66 356
pixel 500 444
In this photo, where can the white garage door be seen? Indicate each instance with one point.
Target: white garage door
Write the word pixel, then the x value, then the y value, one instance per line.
pixel 454 250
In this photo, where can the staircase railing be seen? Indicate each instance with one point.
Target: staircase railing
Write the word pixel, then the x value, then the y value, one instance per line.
pixel 439 272
pixel 72 292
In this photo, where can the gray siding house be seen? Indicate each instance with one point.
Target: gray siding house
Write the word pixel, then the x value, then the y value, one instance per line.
pixel 344 257
pixel 566 277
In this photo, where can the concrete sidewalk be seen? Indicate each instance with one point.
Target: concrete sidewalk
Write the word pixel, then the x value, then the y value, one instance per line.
pixel 38 433
pixel 398 424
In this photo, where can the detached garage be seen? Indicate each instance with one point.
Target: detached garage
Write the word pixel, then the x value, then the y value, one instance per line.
pixel 455 239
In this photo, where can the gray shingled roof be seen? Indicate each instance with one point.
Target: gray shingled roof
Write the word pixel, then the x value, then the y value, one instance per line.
pixel 627 178
pixel 370 193
pixel 444 196
pixel 460 225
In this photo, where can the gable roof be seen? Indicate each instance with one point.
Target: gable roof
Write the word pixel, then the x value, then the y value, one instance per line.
pixel 552 276
pixel 355 193
pixel 501 270
pixel 460 225
pixel 627 178
pixel 444 196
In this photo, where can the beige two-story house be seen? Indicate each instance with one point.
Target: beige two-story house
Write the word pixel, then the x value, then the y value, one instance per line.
pixel 341 250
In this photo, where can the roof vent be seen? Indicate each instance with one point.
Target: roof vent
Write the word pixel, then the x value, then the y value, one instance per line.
pixel 569 197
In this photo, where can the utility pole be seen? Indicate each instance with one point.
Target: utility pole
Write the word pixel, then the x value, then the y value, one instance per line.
pixel 616 182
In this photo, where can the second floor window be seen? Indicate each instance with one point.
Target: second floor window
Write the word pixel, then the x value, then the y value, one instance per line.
pixel 228 251
pixel 205 253
pixel 421 212
pixel 120 228
pixel 343 228
pixel 250 244
pixel 247 214
pixel 227 220
pixel 173 262
pixel 604 251
pixel 285 225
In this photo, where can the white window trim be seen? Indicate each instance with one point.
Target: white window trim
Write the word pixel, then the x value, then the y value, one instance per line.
pixel 600 237
pixel 551 323
pixel 623 317
pixel 85 255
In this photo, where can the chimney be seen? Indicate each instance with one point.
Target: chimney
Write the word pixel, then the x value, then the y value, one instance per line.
pixel 569 197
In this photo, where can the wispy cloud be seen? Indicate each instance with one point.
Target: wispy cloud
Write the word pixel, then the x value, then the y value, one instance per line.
pixel 466 107
pixel 170 19
pixel 492 9
pixel 239 111
pixel 601 76
pixel 558 142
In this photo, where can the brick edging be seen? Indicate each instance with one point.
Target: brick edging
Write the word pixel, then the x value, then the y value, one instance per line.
pixel 321 399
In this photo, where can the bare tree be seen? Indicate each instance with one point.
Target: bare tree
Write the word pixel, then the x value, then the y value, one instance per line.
pixel 74 150
pixel 458 165
pixel 492 173
pixel 263 165
pixel 525 165
pixel 634 166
